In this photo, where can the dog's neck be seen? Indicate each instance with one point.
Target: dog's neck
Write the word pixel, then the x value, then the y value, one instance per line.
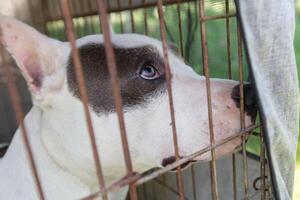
pixel 58 181
pixel 15 170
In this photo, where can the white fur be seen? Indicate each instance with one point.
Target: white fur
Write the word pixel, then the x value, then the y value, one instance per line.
pixel 58 132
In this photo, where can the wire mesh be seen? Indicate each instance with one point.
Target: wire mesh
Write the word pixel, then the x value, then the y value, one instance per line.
pixel 80 14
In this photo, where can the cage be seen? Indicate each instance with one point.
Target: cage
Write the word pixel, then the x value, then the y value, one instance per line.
pixel 208 36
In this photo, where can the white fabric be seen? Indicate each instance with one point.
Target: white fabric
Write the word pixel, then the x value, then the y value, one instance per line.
pixel 269 26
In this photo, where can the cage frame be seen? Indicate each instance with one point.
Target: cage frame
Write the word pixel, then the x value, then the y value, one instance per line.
pixel 133 179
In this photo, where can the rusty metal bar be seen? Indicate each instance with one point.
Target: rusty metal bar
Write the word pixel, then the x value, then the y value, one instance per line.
pixel 254 194
pixel 125 8
pixel 242 110
pixel 131 17
pixel 194 182
pixel 180 27
pixel 82 4
pixel 74 7
pixel 90 18
pixel 209 18
pixel 234 184
pixel 157 173
pixel 170 94
pixel 145 19
pixel 228 39
pixel 154 196
pixel 164 180
pixel 82 89
pixel 170 188
pixel 120 17
pixel 16 104
pixel 144 192
pixel 262 166
pixel 144 6
pixel 112 68
pixel 138 179
pixel 213 168
pixel 114 187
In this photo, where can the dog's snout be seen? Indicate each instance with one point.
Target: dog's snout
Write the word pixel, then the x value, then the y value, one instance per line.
pixel 249 99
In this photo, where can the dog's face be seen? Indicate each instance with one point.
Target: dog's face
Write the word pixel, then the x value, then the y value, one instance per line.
pixel 49 71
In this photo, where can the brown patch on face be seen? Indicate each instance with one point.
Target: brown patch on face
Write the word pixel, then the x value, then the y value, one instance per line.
pixel 134 89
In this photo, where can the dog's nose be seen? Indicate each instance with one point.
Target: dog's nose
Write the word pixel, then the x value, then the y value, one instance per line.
pixel 249 99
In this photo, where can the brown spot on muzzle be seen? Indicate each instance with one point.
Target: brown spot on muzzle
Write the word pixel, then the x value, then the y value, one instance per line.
pixel 172 159
pixel 249 99
pixel 168 161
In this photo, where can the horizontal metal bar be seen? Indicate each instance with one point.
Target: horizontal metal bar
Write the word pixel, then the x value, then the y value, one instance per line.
pixel 140 179
pixel 120 9
pixel 115 186
pixel 207 18
pixel 198 153
pixel 224 16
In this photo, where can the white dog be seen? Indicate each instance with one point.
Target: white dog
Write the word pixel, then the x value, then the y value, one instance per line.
pixel 57 126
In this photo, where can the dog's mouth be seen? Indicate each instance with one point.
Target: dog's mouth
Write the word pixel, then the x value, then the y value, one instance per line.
pixel 172 159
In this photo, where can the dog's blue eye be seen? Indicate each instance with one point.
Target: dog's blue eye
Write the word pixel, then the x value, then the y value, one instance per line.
pixel 149 72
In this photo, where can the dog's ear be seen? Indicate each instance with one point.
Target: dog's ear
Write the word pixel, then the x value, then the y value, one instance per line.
pixel 35 54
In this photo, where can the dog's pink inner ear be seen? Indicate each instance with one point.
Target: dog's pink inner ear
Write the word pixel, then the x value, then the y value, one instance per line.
pixel 34 72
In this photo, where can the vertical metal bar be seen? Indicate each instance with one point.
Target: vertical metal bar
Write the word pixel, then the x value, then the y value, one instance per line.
pixel 74 8
pixel 164 181
pixel 82 90
pixel 213 169
pixel 242 110
pixel 53 23
pixel 154 196
pixel 107 6
pixel 170 95
pixel 234 185
pixel 131 17
pixel 112 68
pixel 44 6
pixel 269 180
pixel 31 10
pixel 15 99
pixel 82 5
pixel 121 17
pixel 180 27
pixel 262 167
pixel 144 192
pixel 90 18
pixel 145 19
pixel 228 39
pixel 194 182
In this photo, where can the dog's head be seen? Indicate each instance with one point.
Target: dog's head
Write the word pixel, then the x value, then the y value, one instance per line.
pixel 47 66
